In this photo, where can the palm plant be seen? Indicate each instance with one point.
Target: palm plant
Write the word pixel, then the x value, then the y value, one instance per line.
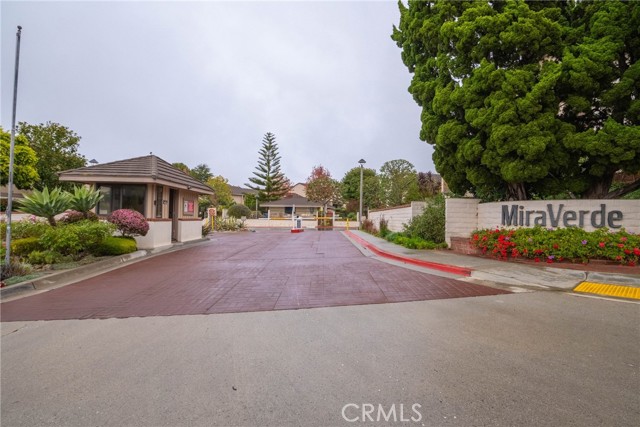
pixel 46 203
pixel 84 199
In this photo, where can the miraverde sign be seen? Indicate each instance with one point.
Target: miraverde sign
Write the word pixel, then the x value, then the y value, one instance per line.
pixel 519 216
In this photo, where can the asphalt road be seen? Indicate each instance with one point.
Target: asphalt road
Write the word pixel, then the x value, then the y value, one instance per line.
pixel 527 359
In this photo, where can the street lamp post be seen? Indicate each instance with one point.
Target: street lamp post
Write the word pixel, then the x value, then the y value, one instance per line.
pixel 362 162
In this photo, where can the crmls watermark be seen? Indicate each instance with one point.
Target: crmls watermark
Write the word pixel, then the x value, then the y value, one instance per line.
pixel 397 413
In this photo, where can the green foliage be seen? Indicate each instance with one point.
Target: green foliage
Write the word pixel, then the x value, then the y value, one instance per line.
pixel 83 199
pixel 43 257
pixel 184 168
pixel 75 239
pixel 24 228
pixel 556 245
pixel 526 99
pixel 269 181
pixel 371 192
pixel 56 148
pixel 46 204
pixel 229 224
pixel 22 247
pixel 397 177
pixel 206 229
pixel 201 173
pixel 25 171
pixel 430 224
pixel 383 227
pixel 413 242
pixel 14 268
pixel 115 245
pixel 238 211
pixel 222 196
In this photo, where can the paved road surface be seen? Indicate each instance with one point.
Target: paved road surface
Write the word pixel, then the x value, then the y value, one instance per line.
pixel 266 270
pixel 529 359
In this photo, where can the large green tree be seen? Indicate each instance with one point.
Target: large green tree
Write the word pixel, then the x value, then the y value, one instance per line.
pixel 201 172
pixel 524 99
pixel 371 196
pixel 398 179
pixel 25 172
pixel 268 179
pixel 222 196
pixel 56 147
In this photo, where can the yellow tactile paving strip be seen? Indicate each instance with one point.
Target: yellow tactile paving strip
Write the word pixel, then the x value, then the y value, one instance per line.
pixel 609 290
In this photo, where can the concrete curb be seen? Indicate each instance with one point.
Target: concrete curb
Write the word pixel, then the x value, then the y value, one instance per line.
pixel 518 275
pixel 68 277
pixel 454 269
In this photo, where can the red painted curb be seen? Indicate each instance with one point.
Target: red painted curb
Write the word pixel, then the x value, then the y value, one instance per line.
pixel 454 269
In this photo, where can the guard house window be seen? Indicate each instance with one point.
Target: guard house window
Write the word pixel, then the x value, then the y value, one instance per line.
pixel 121 196
pixel 159 192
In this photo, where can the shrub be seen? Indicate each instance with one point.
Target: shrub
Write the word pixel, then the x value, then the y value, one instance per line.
pixel 83 199
pixel 14 268
pixel 129 222
pixel 73 239
pixel 384 227
pixel 24 246
pixel 413 242
pixel 229 224
pixel 75 216
pixel 24 228
pixel 45 203
pixel 368 227
pixel 206 229
pixel 113 245
pixel 239 211
pixel 44 257
pixel 430 225
pixel 549 245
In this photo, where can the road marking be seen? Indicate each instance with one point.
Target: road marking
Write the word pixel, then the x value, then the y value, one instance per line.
pixel 610 290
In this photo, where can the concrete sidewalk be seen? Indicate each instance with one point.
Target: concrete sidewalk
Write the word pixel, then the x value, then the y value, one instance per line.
pixel 486 270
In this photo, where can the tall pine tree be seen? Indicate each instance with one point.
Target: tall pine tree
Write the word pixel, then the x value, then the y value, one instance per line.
pixel 269 181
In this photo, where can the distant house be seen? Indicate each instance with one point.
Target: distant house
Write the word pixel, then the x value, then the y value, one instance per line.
pixel 293 204
pixel 299 189
pixel 238 194
pixel 165 195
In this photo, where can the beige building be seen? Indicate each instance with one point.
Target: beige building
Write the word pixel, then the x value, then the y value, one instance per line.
pixel 165 195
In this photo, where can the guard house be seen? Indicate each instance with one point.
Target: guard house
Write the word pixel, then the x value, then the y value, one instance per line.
pixel 165 195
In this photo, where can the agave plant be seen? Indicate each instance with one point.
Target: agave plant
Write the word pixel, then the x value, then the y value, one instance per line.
pixel 84 199
pixel 46 203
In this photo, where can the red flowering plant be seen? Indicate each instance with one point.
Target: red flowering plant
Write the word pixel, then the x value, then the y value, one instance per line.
pixel 129 222
pixel 556 245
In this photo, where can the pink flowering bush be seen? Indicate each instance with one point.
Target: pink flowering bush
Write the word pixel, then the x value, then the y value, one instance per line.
pixel 129 222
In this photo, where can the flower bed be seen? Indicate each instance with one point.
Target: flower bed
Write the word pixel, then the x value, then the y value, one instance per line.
pixel 557 245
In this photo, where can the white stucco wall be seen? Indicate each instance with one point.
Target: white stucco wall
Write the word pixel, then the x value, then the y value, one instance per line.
pixel 466 215
pixel 397 217
pixel 159 235
pixel 189 230
pixel 461 217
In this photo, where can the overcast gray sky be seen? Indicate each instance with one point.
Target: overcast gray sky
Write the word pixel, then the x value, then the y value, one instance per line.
pixel 202 82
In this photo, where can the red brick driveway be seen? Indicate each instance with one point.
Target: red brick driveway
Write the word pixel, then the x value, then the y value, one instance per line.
pixel 265 270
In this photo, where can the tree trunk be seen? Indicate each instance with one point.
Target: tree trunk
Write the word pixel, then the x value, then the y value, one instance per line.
pixel 600 188
pixel 516 191
pixel 624 190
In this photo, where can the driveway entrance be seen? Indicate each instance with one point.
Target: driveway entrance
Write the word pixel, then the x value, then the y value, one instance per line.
pixel 239 272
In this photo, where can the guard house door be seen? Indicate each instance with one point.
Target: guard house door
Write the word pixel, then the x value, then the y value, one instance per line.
pixel 173 213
